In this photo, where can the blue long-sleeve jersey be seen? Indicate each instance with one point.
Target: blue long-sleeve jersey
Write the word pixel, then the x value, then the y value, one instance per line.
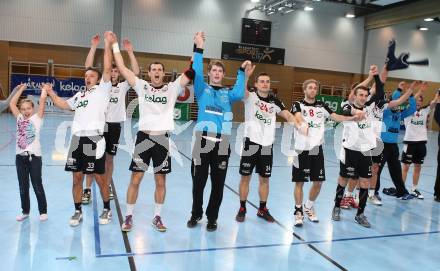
pixel 391 120
pixel 215 103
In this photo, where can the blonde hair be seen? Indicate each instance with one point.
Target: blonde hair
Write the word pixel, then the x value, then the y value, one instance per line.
pixel 25 101
pixel 218 63
pixel 308 82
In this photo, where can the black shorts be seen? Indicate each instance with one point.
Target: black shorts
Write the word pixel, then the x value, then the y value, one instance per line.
pixel 151 147
pixel 258 156
pixel 377 159
pixel 309 164
pixel 357 165
pixel 414 153
pixel 86 154
pixel 112 134
pixel 377 153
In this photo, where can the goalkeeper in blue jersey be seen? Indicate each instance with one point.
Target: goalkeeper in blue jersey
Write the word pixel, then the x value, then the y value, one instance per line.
pixel 214 122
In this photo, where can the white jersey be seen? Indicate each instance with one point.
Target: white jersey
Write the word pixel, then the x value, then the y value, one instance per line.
pixel 28 134
pixel 260 118
pixel 377 112
pixel 90 109
pixel 415 125
pixel 361 136
pixel 116 106
pixel 156 105
pixel 315 115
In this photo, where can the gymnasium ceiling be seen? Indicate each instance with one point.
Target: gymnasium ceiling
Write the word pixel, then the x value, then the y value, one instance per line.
pixel 377 13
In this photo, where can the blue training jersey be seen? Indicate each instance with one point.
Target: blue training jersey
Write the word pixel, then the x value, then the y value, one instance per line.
pixel 392 118
pixel 215 103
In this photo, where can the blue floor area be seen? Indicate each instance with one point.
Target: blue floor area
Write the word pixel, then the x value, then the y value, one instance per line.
pixel 404 235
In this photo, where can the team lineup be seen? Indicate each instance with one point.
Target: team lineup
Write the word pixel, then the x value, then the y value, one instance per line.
pixel 370 123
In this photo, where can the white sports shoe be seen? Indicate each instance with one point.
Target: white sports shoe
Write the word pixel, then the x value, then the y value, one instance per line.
pixel 374 200
pixel 311 214
pixel 76 218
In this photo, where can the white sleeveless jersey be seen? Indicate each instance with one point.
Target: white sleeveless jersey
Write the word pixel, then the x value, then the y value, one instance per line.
pixel 90 108
pixel 361 136
pixel 156 105
pixel 415 125
pixel 116 106
pixel 260 118
pixel 315 115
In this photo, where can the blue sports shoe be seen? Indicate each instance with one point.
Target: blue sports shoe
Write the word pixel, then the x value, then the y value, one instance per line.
pixel 407 197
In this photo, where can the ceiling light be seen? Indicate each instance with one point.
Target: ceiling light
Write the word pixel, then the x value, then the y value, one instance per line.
pixel 308 8
pixel 350 15
pixel 255 1
pixel 423 28
pixel 288 11
pixel 270 11
pixel 429 19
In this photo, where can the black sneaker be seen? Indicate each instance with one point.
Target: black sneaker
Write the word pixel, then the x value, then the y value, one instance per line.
pixel 192 222
pixel 212 225
pixel 389 191
pixel 437 198
pixel 264 214
pixel 241 214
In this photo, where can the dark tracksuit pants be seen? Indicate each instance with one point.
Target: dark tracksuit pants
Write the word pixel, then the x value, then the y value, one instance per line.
pixel 30 166
pixel 213 160
pixel 391 156
pixel 437 180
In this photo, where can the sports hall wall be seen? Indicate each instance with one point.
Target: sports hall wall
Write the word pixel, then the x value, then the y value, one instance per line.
pixel 322 44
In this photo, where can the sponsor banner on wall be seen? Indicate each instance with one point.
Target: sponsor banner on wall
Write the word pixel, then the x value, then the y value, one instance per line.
pixel 64 88
pixel 50 107
pixel 334 102
pixel 181 111
pixel 254 53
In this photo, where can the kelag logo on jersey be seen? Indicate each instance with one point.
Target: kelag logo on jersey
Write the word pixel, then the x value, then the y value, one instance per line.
pixel 155 99
pixel 260 116
pixel 313 124
pixel 83 104
pixel 417 122
pixel 364 125
pixel 114 100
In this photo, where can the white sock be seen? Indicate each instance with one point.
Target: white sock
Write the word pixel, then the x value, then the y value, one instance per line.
pixel 130 208
pixel 157 209
pixel 370 192
pixel 414 187
pixel 309 204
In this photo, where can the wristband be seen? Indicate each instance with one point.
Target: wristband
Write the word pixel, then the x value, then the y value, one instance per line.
pixel 115 47
pixel 190 73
